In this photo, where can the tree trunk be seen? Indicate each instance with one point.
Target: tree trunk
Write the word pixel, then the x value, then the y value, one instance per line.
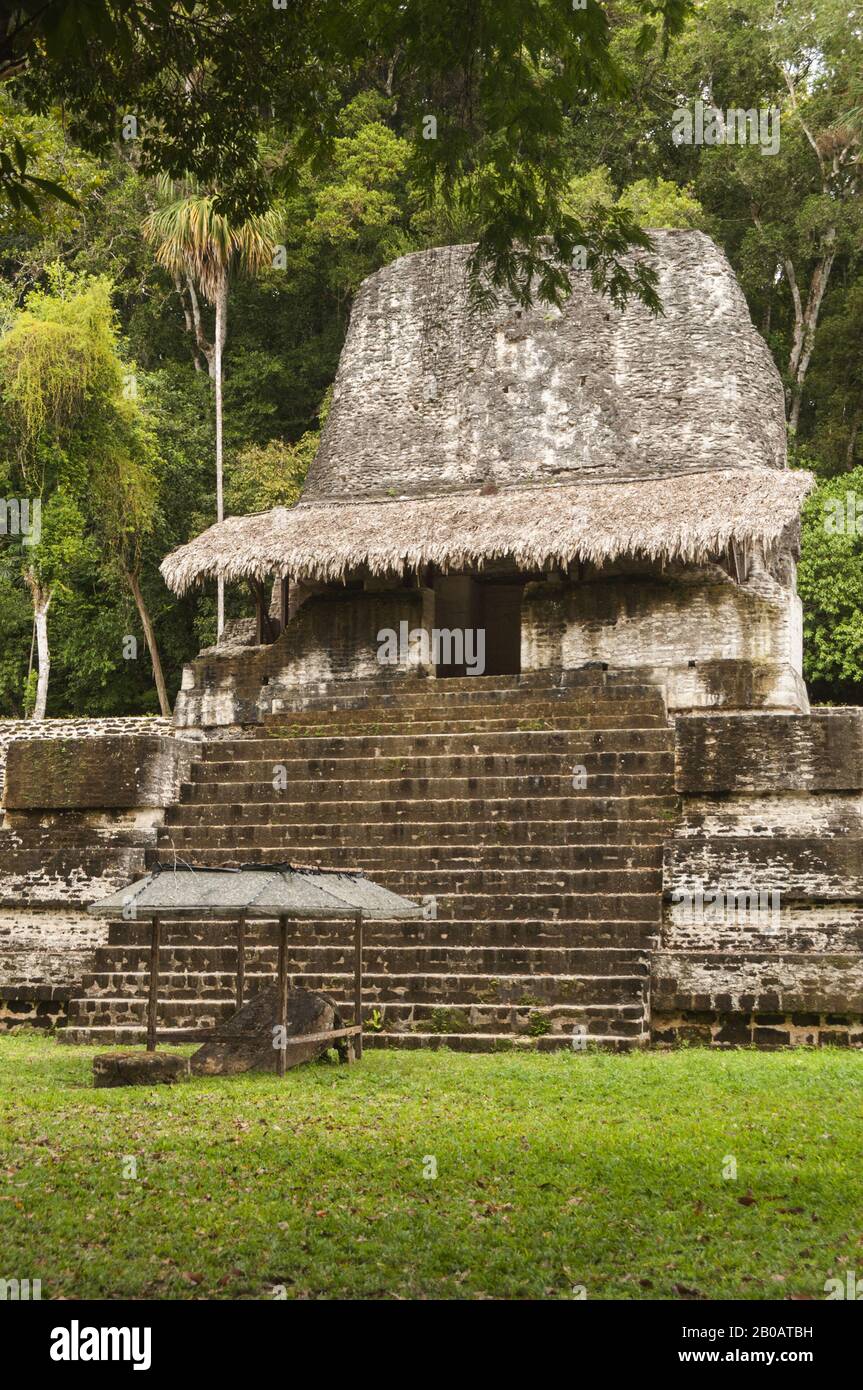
pixel 41 603
pixel 221 331
pixel 852 443
pixel 806 322
pixel 152 644
pixel 191 319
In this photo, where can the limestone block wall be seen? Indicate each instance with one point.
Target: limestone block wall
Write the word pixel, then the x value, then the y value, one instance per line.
pixel 335 637
pixel 80 809
pixel 52 729
pixel 762 938
pixel 332 637
pixel 107 770
pixel 707 640
pixel 431 395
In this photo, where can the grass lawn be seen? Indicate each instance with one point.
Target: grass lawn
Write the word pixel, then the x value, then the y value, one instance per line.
pixel 553 1171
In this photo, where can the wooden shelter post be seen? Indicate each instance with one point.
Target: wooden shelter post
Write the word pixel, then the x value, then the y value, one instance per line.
pixel 155 933
pixel 282 1018
pixel 241 959
pixel 358 982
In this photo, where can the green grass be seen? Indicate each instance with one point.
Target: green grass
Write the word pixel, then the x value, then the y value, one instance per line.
pixel 554 1171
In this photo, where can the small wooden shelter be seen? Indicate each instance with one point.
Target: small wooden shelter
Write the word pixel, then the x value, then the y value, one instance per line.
pixel 279 893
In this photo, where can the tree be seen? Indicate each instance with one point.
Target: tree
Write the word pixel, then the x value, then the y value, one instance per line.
pixel 203 247
pixel 125 495
pixel 787 217
pixel 72 441
pixel 830 580
pixel 482 91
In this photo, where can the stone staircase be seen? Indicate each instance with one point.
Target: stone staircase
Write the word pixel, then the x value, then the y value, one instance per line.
pixel 529 813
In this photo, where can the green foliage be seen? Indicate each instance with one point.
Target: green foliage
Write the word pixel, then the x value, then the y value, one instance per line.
pixel 269 475
pixel 497 82
pixel 661 203
pixel 23 190
pixel 193 237
pixel 16 624
pixel 653 202
pixel 830 582
pixel 55 356
pixel 75 439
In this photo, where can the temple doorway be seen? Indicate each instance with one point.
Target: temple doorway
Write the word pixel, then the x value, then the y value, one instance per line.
pixel 478 622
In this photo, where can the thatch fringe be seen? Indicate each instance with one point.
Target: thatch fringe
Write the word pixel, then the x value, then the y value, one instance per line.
pixel 687 517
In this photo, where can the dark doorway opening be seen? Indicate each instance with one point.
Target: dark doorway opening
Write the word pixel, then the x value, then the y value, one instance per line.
pixel 478 625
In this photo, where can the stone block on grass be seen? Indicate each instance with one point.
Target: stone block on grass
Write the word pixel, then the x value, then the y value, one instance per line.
pixel 139 1068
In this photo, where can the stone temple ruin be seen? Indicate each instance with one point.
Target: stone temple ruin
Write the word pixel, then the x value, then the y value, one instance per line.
pixel 533 655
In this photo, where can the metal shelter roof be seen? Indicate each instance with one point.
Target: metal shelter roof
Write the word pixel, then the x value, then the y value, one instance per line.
pixel 256 890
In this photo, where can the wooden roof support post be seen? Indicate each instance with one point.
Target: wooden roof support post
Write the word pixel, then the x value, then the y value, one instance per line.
pixel 358 982
pixel 241 959
pixel 155 932
pixel 264 629
pixel 282 1018
pixel 259 615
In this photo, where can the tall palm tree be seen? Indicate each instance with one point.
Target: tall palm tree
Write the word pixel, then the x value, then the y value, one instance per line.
pixel 201 248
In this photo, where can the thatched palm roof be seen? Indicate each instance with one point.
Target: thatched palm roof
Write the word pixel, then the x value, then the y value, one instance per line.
pixel 688 517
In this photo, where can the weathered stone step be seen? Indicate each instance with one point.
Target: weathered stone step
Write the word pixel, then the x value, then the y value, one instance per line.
pixel 243 836
pixel 103 1011
pixel 579 814
pixel 527 685
pixel 539 882
pixel 323 789
pixel 506 1042
pixel 379 835
pixel 447 882
pixel 589 762
pixel 622 934
pixel 560 722
pixel 471 690
pixel 542 708
pixel 278 845
pixel 194 960
pixel 623 1019
pixel 475 742
pixel 378 987
pixel 544 743
pixel 130 1035
pixel 636 854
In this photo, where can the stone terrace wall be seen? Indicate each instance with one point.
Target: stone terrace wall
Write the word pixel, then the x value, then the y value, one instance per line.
pixel 75 728
pixel 82 803
pixel 706 640
pixel 333 637
pixel 771 804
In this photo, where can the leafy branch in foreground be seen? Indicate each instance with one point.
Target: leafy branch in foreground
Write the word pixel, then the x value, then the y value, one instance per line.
pixel 483 92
